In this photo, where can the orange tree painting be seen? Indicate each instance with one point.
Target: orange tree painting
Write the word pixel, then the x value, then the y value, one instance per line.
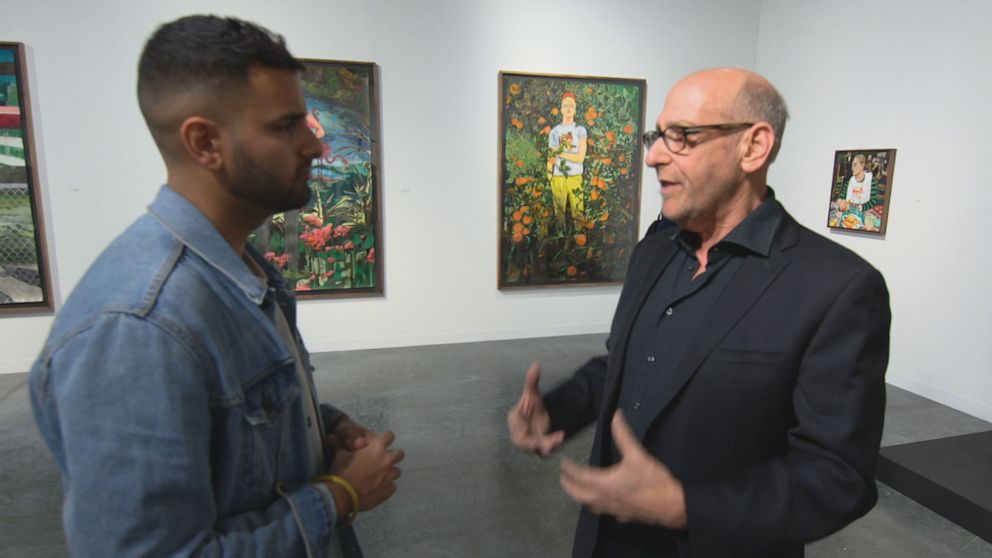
pixel 570 181
pixel 333 244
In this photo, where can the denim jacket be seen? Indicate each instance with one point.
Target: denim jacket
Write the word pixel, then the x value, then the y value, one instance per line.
pixel 172 405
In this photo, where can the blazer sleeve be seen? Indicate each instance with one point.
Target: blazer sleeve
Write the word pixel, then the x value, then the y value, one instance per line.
pixel 575 404
pixel 825 479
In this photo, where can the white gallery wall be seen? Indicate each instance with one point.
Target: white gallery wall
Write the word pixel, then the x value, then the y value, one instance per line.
pixel 915 76
pixel 439 62
pixel 870 73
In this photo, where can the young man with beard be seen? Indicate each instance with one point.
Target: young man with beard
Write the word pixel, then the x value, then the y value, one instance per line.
pixel 174 389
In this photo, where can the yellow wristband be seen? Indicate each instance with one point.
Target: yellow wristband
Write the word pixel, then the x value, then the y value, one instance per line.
pixel 352 493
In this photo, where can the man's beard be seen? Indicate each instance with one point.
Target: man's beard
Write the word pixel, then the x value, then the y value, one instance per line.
pixel 252 182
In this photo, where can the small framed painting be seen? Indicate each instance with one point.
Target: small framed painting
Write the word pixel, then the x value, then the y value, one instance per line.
pixel 24 275
pixel 861 186
pixel 333 245
pixel 570 178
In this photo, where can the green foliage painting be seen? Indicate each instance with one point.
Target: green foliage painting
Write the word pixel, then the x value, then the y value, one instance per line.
pixel 570 183
pixel 332 245
pixel 24 276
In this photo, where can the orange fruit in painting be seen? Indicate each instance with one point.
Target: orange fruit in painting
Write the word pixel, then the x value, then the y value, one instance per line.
pixel 623 172
pixel 554 111
pixel 516 215
pixel 628 129
pixel 541 120
pixel 515 88
pixel 526 231
pixel 606 216
pixel 571 271
pixel 527 220
pixel 520 163
pixel 580 239
pixel 622 158
pixel 594 194
pixel 517 237
pixel 547 213
pixel 522 180
pixel 591 224
pixel 517 227
pixel 524 209
pixel 607 160
pixel 546 130
pixel 611 136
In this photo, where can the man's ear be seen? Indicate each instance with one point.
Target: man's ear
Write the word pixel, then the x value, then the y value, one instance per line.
pixel 756 147
pixel 201 138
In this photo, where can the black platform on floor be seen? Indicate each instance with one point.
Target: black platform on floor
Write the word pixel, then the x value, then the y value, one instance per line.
pixel 951 476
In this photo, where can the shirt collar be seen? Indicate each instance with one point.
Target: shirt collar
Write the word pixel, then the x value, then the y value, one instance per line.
pixel 191 227
pixel 754 234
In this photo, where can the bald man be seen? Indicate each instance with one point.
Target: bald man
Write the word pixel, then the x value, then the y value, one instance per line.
pixel 739 409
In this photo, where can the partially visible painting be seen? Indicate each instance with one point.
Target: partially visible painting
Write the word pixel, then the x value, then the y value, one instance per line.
pixel 860 189
pixel 570 176
pixel 24 277
pixel 333 245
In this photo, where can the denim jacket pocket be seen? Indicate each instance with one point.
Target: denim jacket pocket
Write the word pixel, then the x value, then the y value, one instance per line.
pixel 266 412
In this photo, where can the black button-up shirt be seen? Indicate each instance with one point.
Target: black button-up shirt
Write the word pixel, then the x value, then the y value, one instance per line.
pixel 677 304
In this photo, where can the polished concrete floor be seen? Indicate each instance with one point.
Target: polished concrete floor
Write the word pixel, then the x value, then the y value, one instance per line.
pixel 464 493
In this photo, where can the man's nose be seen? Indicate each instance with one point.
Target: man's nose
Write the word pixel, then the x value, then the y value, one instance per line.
pixel 658 154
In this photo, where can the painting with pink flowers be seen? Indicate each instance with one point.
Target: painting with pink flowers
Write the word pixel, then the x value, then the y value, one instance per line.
pixel 333 245
pixel 860 189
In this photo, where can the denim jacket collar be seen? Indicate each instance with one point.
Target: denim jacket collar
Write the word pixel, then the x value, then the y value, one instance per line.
pixel 191 227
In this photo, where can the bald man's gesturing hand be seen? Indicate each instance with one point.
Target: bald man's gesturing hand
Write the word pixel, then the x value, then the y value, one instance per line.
pixel 638 488
pixel 528 420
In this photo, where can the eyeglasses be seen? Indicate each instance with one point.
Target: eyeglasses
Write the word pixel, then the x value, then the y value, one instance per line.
pixel 676 138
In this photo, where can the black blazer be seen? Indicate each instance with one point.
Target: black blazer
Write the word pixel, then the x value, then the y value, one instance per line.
pixel 774 417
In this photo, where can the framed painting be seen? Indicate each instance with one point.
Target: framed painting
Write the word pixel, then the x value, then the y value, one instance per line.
pixel 860 189
pixel 333 245
pixel 24 275
pixel 570 178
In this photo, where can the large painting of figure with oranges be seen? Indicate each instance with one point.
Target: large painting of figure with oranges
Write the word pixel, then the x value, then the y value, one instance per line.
pixel 570 174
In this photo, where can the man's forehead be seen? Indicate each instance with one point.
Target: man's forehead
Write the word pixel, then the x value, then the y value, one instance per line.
pixel 700 97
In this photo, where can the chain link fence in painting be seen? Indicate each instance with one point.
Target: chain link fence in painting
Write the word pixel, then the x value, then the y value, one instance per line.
pixel 17 234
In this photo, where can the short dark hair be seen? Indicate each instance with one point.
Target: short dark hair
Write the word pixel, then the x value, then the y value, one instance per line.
pixel 200 51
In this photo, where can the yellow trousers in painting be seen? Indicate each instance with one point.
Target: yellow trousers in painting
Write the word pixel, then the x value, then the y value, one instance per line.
pixel 567 190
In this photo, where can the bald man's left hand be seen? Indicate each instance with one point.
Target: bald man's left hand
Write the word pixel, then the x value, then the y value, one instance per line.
pixel 638 488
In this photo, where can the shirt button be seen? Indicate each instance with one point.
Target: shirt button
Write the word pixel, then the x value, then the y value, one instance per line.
pixel 651 358
pixel 637 405
pixel 670 311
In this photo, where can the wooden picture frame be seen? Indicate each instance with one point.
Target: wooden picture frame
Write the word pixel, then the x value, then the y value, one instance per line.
pixel 860 189
pixel 25 279
pixel 333 245
pixel 569 184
